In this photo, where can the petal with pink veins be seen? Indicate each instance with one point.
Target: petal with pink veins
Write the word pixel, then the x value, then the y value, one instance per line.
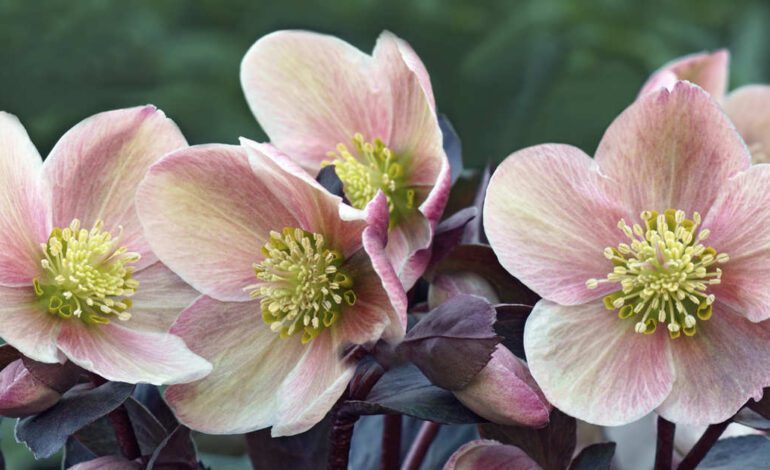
pixel 95 168
pixel 125 355
pixel 311 91
pixel 671 150
pixel 549 215
pixel 24 205
pixel 505 393
pixel 739 221
pixel 160 298
pixel 411 59
pixel 207 215
pixel 707 70
pixel 26 325
pixel 484 454
pixel 718 369
pixel 593 365
pixel 250 363
pixel 749 109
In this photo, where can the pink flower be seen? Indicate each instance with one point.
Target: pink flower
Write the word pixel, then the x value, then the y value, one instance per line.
pixel 484 454
pixel 748 106
pixel 653 261
pixel 77 278
pixel 504 392
pixel 291 279
pixel 324 102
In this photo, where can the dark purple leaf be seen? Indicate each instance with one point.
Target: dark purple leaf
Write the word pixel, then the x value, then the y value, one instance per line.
pixel 59 377
pixel 452 146
pixel 148 430
pixel 176 452
pixel 595 457
pixel 481 260
pixel 474 231
pixel 452 343
pixel 551 447
pixel 405 390
pixel 47 432
pixel 328 178
pixel 298 452
pixel 511 319
pixel 449 233
pixel 95 440
pixel 752 419
pixel 745 452
pixel 762 406
pixel 149 396
pixel 8 354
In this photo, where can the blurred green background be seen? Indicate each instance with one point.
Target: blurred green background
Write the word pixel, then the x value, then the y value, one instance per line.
pixel 507 73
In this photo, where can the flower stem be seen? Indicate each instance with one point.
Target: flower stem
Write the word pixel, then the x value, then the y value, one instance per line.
pixel 124 431
pixel 420 446
pixel 664 451
pixel 391 442
pixel 704 444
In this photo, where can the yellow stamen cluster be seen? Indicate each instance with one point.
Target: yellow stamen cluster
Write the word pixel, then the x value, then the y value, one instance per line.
pixel 302 287
pixel 664 273
pixel 86 275
pixel 371 166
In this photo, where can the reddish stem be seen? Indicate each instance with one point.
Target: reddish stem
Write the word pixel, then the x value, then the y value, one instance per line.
pixel 422 442
pixel 124 431
pixel 704 444
pixel 664 452
pixel 391 442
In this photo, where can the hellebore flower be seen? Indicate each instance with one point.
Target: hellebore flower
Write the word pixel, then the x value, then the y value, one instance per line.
pixel 77 278
pixel 291 278
pixel 324 102
pixel 22 394
pixel 504 392
pixel 747 106
pixel 485 454
pixel 653 261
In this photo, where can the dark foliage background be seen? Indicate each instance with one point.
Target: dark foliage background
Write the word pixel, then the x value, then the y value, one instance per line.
pixel 507 73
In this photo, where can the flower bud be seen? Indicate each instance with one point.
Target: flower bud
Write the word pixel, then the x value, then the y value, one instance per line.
pixel 484 454
pixel 504 392
pixel 21 394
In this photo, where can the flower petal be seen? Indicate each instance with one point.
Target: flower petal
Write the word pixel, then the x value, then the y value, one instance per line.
pixel 125 355
pixel 505 393
pixel 160 298
pixel 207 215
pixel 739 221
pixel 410 58
pixel 22 394
pixel 707 70
pixel 250 362
pixel 314 385
pixel 671 150
pixel 95 168
pixel 24 211
pixel 26 326
pixel 718 369
pixel 593 366
pixel 549 215
pixel 749 109
pixel 483 454
pixel 311 91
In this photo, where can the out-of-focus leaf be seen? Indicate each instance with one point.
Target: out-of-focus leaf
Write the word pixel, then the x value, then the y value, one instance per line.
pixel 481 260
pixel 449 233
pixel 298 452
pixel 176 452
pixel 551 447
pixel 406 390
pixel 744 452
pixel 752 419
pixel 95 440
pixel 47 432
pixel 149 432
pixel 149 396
pixel 328 178
pixel 452 146
pixel 474 231
pixel 595 457
pixel 452 343
pixel 511 319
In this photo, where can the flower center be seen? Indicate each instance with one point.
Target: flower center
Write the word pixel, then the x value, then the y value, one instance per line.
pixel 664 273
pixel 303 288
pixel 371 166
pixel 86 275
